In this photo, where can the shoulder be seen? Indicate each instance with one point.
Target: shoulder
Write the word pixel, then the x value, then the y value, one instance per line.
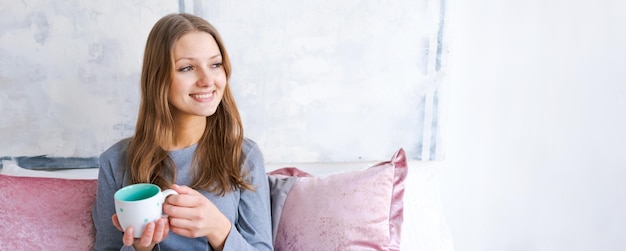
pixel 252 155
pixel 116 151
pixel 249 145
pixel 113 165
pixel 251 150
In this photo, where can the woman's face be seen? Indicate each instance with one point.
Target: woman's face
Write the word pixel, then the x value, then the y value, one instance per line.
pixel 199 78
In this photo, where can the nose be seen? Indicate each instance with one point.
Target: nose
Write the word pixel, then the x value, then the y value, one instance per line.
pixel 205 77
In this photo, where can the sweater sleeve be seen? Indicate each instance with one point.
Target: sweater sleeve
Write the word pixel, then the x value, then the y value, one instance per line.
pixel 109 180
pixel 253 229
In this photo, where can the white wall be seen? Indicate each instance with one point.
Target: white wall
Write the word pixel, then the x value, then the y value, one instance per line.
pixel 536 125
pixel 328 80
pixel 319 80
pixel 69 73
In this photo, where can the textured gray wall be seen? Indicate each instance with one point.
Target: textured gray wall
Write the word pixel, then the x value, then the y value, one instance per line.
pixel 315 81
pixel 69 73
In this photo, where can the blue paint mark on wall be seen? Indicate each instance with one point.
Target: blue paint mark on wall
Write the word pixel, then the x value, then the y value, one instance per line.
pixel 181 6
pixel 52 163
pixel 434 126
pixel 440 34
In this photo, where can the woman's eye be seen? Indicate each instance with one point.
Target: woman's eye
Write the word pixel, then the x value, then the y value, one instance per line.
pixel 185 68
pixel 217 65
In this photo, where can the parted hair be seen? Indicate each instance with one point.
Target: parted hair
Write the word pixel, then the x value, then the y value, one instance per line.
pixel 216 164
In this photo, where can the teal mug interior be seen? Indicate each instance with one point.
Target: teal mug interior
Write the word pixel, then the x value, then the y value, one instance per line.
pixel 137 192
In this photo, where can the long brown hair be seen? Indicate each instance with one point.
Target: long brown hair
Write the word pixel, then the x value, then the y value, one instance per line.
pixel 216 164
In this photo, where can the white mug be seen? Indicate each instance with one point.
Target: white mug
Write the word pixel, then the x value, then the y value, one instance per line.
pixel 138 204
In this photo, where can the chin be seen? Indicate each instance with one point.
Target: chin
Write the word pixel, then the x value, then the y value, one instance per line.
pixel 209 113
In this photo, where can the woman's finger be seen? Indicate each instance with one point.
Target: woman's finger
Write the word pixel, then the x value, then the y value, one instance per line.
pixel 179 211
pixel 184 189
pixel 128 238
pixel 159 231
pixel 167 227
pixel 147 236
pixel 187 228
pixel 116 222
pixel 182 223
pixel 183 232
pixel 186 200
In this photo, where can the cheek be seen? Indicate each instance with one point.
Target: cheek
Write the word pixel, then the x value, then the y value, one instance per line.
pixel 221 82
pixel 177 86
pixel 171 92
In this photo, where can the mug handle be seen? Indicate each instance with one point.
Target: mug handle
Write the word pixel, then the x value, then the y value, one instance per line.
pixel 166 193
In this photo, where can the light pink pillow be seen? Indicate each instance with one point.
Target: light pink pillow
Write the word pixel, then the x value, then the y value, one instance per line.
pixel 358 210
pixel 46 213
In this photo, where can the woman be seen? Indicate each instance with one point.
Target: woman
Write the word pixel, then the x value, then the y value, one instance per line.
pixel 189 137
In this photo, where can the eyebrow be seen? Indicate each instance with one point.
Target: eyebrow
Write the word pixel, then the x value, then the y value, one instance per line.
pixel 192 58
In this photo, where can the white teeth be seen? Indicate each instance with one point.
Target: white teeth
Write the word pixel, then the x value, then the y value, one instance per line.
pixel 201 96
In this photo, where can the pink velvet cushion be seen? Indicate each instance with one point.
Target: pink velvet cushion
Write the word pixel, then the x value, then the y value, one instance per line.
pixel 46 213
pixel 358 210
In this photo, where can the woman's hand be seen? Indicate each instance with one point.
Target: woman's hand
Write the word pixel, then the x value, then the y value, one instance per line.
pixel 153 233
pixel 193 215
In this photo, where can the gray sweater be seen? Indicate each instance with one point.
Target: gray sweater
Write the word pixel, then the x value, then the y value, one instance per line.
pixel 249 211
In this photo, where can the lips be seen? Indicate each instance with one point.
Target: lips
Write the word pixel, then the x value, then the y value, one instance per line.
pixel 203 97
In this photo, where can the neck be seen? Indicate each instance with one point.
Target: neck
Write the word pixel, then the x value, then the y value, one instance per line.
pixel 187 131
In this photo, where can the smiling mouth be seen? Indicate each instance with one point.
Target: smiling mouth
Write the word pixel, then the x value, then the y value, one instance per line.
pixel 201 96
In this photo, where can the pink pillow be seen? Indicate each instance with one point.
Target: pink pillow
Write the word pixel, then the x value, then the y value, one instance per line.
pixel 46 213
pixel 358 210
